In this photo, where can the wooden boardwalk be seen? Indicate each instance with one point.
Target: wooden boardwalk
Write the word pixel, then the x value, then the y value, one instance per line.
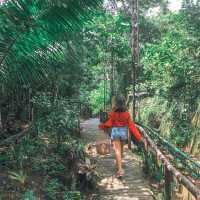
pixel 133 186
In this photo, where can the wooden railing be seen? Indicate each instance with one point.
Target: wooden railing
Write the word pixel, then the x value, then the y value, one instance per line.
pixel 170 172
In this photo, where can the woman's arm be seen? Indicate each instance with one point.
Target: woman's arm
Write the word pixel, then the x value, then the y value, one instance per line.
pixel 107 124
pixel 133 129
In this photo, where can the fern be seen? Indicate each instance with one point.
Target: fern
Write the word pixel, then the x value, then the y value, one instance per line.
pixel 18 176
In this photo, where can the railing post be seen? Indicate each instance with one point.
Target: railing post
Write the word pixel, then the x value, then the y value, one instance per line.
pixel 168 184
pixel 146 167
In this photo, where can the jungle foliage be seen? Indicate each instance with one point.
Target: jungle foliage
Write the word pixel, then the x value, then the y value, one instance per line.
pixel 56 58
pixel 168 77
pixel 41 67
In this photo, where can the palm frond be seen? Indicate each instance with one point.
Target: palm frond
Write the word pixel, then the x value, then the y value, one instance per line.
pixel 29 27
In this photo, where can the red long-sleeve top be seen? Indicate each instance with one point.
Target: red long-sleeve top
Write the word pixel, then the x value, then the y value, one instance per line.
pixel 120 119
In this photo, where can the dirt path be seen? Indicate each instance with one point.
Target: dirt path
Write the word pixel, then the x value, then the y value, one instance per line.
pixel 133 186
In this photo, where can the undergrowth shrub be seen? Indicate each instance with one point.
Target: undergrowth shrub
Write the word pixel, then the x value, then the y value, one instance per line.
pixel 72 195
pixel 152 111
pixel 29 195
pixel 52 188
pixel 169 118
pixel 53 155
pixel 24 152
pixel 58 114
pixel 50 165
pixel 59 118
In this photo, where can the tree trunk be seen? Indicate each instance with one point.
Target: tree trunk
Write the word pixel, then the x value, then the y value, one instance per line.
pixel 135 50
pixel 112 77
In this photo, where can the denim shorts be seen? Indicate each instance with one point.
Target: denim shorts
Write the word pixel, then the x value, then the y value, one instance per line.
pixel 119 133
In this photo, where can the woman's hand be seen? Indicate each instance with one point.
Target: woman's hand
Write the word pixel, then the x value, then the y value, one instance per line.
pixel 101 126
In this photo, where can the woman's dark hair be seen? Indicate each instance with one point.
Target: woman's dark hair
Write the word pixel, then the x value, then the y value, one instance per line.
pixel 120 104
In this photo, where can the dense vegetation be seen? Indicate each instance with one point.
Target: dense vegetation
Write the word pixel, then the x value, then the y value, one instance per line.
pixel 168 78
pixel 56 57
pixel 41 67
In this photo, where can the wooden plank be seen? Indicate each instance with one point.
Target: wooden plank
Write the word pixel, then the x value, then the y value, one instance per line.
pixel 133 185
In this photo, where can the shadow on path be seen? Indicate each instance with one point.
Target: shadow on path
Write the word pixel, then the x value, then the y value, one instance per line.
pixel 133 186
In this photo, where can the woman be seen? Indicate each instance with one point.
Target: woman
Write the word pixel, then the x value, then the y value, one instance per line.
pixel 120 120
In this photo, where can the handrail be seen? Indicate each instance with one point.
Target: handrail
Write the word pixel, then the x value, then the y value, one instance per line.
pixel 177 152
pixel 170 169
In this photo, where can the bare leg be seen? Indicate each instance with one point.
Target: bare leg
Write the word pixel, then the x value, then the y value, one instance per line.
pixel 118 154
pixel 122 148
